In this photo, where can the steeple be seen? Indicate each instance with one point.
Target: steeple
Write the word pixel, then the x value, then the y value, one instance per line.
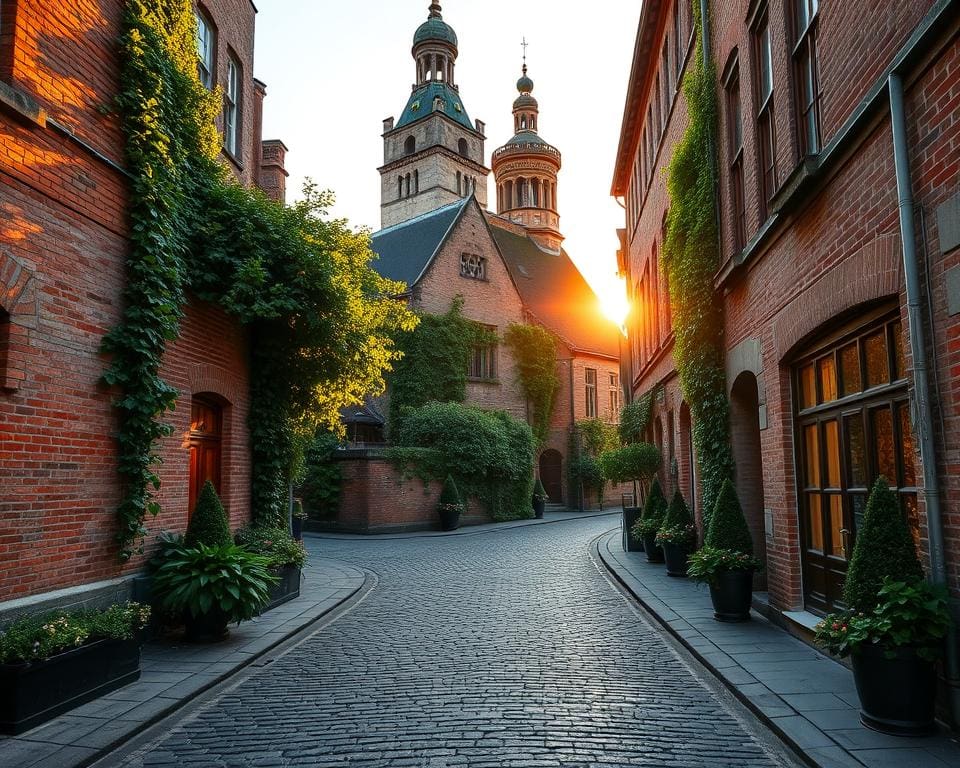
pixel 433 153
pixel 525 170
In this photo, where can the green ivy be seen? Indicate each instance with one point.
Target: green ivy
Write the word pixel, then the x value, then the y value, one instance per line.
pixel 534 349
pixel 691 258
pixel 635 417
pixel 320 321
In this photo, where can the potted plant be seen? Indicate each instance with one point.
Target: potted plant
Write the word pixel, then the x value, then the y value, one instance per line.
pixel 286 556
pixel 654 511
pixel 726 560
pixel 296 520
pixel 540 499
pixel 450 506
pixel 211 587
pixel 52 663
pixel 635 463
pixel 895 623
pixel 677 536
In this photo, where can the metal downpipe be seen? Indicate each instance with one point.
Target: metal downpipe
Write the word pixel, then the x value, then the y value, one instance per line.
pixel 923 417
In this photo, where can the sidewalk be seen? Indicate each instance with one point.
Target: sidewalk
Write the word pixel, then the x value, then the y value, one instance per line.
pixel 806 697
pixel 175 673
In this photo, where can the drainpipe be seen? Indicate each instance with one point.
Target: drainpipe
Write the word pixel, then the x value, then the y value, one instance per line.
pixel 918 350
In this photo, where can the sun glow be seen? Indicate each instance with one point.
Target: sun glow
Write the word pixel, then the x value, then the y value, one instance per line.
pixel 612 297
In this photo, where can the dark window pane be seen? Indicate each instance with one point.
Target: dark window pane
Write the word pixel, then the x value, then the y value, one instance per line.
pixel 856 451
pixel 814 522
pixel 808 387
pixel 831 447
pixel 850 369
pixel 878 364
pixel 859 504
pixel 899 358
pixel 883 445
pixel 906 441
pixel 827 369
pixel 811 443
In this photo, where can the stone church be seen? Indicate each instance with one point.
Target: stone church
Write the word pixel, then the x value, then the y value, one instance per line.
pixel 439 238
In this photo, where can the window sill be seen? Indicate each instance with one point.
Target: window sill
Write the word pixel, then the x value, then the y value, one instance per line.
pixel 22 105
pixel 480 380
pixel 234 160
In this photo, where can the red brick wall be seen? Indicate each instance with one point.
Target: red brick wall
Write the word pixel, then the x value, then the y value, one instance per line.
pixel 62 252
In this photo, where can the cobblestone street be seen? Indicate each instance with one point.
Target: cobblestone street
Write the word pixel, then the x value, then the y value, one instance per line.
pixel 501 648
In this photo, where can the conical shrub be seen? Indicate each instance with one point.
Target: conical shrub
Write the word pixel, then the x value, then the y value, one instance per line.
pixel 678 513
pixel 450 494
pixel 728 527
pixel 884 547
pixel 539 491
pixel 208 525
pixel 655 507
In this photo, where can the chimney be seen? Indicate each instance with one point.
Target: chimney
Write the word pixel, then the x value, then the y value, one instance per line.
pixel 273 174
pixel 482 128
pixel 259 92
pixel 388 125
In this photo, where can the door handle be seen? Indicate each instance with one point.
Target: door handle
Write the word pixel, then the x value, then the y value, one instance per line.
pixel 845 533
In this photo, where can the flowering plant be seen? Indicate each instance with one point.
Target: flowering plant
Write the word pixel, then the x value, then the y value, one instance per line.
pixel 678 535
pixel 274 543
pixel 451 507
pixel 707 563
pixel 906 615
pixel 646 527
pixel 39 637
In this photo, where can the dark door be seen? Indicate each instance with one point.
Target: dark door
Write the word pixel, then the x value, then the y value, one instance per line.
pixel 206 418
pixel 551 474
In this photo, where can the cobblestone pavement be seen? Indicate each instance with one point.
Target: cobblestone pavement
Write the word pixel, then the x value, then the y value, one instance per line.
pixel 502 649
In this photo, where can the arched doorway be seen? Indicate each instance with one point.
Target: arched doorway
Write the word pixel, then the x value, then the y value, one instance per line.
pixel 551 474
pixel 206 445
pixel 745 439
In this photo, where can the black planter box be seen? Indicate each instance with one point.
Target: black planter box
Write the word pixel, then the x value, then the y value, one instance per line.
pixel 631 543
pixel 898 695
pixel 654 551
pixel 286 589
pixel 732 595
pixel 676 557
pixel 449 520
pixel 32 693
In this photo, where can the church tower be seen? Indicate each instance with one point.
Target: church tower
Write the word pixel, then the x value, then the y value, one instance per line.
pixel 433 155
pixel 525 171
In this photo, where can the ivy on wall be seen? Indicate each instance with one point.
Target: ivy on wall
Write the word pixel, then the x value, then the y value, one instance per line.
pixel 534 349
pixel 691 258
pixel 635 417
pixel 320 321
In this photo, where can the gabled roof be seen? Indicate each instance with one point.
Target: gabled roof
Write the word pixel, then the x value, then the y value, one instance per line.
pixel 406 249
pixel 555 292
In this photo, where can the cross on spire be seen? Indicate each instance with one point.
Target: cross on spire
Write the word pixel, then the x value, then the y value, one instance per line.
pixel 524 44
pixel 435 10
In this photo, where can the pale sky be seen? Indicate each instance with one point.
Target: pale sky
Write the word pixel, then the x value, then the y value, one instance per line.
pixel 335 69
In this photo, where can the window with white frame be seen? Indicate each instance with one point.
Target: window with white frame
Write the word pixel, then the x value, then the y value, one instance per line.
pixel 206 40
pixel 231 109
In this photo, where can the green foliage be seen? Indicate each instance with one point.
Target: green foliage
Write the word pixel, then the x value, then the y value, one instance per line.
pixel 33 638
pixel 433 368
pixel 534 349
pixel 450 496
pixel 322 477
pixel 707 563
pixel 488 453
pixel 633 462
pixel 586 470
pixel 276 544
pixel 677 526
pixel 209 524
pixel 905 614
pixel 201 580
pixel 320 319
pixel 654 511
pixel 539 492
pixel 635 418
pixel 884 547
pixel 691 258
pixel 595 436
pixel 728 527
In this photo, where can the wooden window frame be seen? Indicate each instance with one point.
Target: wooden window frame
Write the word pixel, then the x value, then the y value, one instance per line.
pixel 233 108
pixel 804 15
pixel 207 69
pixel 735 153
pixel 482 365
pixel 590 393
pixel 766 128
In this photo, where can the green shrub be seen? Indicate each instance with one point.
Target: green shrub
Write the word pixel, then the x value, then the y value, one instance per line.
pixel 489 454
pixel 677 526
pixel 450 496
pixel 654 511
pixel 884 548
pixel 707 563
pixel 539 492
pixel 208 525
pixel 587 470
pixel 200 580
pixel 39 637
pixel 728 527
pixel 322 477
pixel 634 462
pixel 278 546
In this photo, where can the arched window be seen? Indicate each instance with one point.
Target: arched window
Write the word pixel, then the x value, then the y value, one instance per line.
pixel 206 448
pixel 523 122
pixel 416 182
pixel 407 184
pixel 410 145
pixel 463 148
pixel 399 187
pixel 459 183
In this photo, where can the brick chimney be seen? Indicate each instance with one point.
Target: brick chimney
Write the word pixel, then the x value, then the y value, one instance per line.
pixel 273 174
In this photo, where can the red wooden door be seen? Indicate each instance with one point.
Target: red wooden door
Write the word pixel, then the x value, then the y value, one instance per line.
pixel 206 420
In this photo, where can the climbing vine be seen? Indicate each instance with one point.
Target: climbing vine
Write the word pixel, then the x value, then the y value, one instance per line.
pixel 635 417
pixel 535 352
pixel 320 320
pixel 691 258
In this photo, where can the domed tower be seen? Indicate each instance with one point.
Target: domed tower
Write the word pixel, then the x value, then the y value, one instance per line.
pixel 433 155
pixel 525 171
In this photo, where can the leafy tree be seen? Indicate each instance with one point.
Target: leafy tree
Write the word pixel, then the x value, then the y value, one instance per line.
pixel 208 525
pixel 535 352
pixel 884 547
pixel 322 478
pixel 728 527
pixel 633 463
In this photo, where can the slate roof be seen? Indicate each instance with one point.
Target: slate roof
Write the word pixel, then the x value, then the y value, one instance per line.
pixel 405 249
pixel 555 292
pixel 420 105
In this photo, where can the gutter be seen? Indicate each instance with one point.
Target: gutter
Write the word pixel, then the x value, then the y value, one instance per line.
pixel 923 409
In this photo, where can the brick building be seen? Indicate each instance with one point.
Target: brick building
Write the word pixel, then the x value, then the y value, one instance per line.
pixel 508 267
pixel 63 242
pixel 821 361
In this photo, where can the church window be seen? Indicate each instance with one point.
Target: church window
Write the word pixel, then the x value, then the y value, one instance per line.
pixel 407 185
pixel 399 187
pixel 459 183
pixel 410 145
pixel 473 266
pixel 206 40
pixel 590 378
pixel 416 182
pixel 463 148
pixel 483 359
pixel 231 108
pixel 523 122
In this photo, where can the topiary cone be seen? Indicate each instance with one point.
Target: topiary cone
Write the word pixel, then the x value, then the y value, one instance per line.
pixel 450 494
pixel 208 525
pixel 655 507
pixel 728 527
pixel 884 547
pixel 538 490
pixel 678 513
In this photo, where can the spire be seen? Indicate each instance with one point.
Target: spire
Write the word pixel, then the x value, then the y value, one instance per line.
pixel 435 10
pixel 524 44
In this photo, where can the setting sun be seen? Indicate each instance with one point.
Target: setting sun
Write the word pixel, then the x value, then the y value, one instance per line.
pixel 612 297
